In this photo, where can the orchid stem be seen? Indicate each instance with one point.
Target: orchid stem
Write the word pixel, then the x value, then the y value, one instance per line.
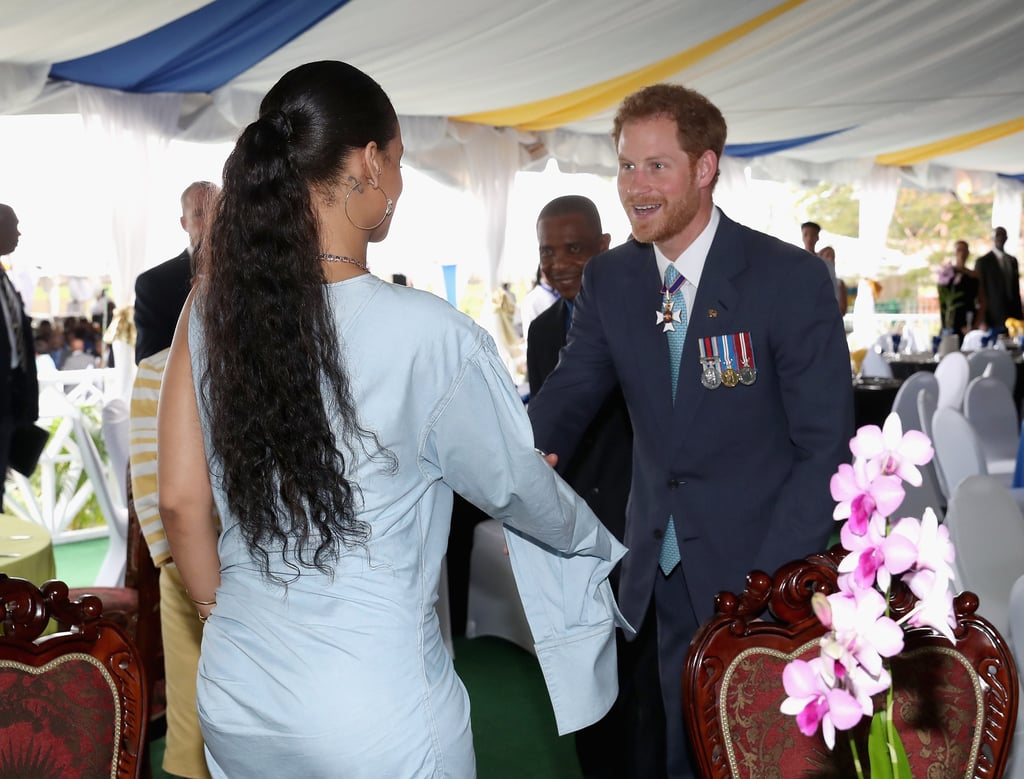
pixel 890 729
pixel 856 757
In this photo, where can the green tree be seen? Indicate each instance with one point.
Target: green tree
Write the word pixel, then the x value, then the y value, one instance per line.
pixel 934 221
pixel 833 206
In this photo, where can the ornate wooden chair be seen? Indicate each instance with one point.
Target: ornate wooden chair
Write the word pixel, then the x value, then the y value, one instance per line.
pixel 135 608
pixel 72 703
pixel 955 706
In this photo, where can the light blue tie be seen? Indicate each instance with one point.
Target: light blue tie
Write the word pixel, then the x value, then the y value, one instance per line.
pixel 669 557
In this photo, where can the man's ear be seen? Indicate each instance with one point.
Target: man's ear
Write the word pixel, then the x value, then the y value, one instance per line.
pixel 707 167
pixel 605 242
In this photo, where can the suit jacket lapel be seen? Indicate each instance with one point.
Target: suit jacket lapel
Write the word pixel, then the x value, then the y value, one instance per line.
pixel 641 297
pixel 714 313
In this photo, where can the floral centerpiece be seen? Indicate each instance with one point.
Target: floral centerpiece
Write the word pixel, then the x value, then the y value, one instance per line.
pixel 949 295
pixel 835 689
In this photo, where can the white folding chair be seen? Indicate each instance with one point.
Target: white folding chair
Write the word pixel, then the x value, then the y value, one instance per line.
pixel 987 529
pixel 993 362
pixel 112 503
pixel 905 405
pixel 493 607
pixel 988 406
pixel 952 374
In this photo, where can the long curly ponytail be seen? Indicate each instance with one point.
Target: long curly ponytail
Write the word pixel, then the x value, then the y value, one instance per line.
pixel 274 378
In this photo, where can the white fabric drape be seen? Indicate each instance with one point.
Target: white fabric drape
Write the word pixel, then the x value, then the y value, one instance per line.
pixel 877 204
pixel 1006 211
pixel 126 131
pixel 732 192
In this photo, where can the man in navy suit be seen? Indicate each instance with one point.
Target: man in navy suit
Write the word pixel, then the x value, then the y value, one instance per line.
pixel 160 292
pixel 733 449
pixel 19 385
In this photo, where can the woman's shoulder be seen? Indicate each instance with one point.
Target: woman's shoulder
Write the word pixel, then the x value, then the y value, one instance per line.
pixel 413 315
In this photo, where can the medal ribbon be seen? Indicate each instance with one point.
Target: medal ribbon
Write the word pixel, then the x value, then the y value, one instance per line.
pixel 668 292
pixel 726 350
pixel 748 349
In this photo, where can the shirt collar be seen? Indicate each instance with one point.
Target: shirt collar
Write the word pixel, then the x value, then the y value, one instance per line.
pixel 690 263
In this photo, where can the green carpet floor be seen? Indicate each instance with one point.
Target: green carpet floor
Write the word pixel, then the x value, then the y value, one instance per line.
pixel 514 730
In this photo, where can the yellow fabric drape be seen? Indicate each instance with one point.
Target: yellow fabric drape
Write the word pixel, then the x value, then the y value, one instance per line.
pixel 952 145
pixel 573 106
pixel 121 327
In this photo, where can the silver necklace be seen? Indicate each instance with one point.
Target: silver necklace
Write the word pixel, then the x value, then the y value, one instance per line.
pixel 341 258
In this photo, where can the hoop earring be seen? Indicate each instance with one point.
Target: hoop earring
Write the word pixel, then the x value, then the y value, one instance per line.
pixel 388 208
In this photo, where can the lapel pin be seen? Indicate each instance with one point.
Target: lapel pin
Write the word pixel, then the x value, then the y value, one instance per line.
pixel 712 313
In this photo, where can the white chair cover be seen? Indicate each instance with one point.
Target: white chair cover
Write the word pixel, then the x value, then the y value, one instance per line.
pixel 493 607
pixel 952 375
pixel 973 340
pixel 905 405
pixel 956 448
pixel 988 406
pixel 927 402
pixel 987 528
pixel 874 364
pixel 993 362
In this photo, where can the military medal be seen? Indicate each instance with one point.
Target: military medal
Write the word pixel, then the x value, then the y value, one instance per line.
pixel 668 316
pixel 730 378
pixel 709 375
pixel 748 374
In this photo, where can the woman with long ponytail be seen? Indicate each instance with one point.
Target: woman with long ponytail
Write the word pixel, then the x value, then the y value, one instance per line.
pixel 325 417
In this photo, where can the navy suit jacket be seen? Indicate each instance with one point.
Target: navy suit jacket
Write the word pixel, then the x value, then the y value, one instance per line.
pixel 600 469
pixel 1002 299
pixel 745 470
pixel 19 387
pixel 160 295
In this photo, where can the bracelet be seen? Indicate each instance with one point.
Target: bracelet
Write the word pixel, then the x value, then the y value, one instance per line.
pixel 205 602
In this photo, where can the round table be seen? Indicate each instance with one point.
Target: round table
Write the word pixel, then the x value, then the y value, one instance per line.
pixel 26 550
pixel 872 400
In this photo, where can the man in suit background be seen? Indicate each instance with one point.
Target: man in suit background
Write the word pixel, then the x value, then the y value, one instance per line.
pixel 160 292
pixel 731 355
pixel 568 235
pixel 19 385
pixel 999 278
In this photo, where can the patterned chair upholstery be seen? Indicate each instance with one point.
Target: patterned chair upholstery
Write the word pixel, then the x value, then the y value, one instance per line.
pixel 135 608
pixel 955 706
pixel 73 703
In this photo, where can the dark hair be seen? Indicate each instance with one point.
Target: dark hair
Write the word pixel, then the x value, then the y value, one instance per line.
pixel 813 225
pixel 274 377
pixel 568 205
pixel 700 125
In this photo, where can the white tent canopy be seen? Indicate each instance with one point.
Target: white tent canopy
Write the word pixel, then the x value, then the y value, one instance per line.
pixel 869 90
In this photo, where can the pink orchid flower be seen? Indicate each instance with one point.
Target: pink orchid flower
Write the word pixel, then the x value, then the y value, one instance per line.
pixel 861 495
pixel 815 703
pixel 933 549
pixel 875 556
pixel 895 452
pixel 863 634
pixel 934 607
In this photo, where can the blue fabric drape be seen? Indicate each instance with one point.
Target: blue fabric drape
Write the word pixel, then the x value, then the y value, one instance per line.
pixel 200 51
pixel 772 147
